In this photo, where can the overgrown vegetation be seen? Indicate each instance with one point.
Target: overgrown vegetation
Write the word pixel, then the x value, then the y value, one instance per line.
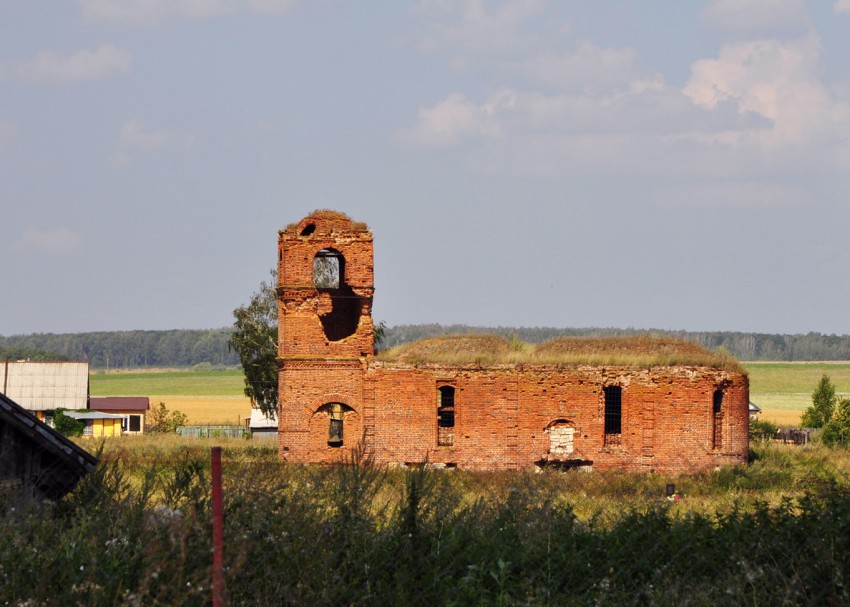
pixel 491 349
pixel 137 532
pixel 66 424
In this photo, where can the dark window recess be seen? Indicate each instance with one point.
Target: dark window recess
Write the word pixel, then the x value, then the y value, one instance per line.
pixel 335 413
pixel 613 409
pixel 135 423
pixel 329 277
pixel 717 421
pixel 446 417
pixel 308 229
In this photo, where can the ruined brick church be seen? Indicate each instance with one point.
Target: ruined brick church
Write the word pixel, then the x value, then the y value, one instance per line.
pixel 480 402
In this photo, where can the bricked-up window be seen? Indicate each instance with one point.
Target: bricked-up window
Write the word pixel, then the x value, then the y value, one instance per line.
pixel 446 416
pixel 717 420
pixel 327 269
pixel 561 434
pixel 613 409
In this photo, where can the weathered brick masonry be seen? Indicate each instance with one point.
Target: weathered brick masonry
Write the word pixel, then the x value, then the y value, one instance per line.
pixel 335 393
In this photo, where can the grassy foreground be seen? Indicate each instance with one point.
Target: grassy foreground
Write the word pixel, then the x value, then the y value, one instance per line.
pixel 137 532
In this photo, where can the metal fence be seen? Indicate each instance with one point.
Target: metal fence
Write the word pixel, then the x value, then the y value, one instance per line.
pixel 212 431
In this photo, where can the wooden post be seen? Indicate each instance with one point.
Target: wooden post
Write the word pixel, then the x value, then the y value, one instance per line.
pixel 218 531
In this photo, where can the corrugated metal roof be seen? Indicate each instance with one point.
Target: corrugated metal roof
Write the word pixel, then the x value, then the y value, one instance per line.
pixel 77 461
pixel 92 415
pixel 38 386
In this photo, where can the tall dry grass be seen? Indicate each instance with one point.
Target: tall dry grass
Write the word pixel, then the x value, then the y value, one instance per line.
pixel 137 532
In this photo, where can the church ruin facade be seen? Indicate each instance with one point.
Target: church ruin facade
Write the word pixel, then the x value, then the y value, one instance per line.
pixel 477 402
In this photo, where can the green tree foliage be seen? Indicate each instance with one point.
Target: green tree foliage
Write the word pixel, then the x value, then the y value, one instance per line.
pixel 823 404
pixel 184 348
pixel 18 353
pixel 67 425
pixel 125 349
pixel 160 419
pixel 761 429
pixel 254 338
pixel 380 334
pixel 837 429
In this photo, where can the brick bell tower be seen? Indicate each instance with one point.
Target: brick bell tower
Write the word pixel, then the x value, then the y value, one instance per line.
pixel 326 334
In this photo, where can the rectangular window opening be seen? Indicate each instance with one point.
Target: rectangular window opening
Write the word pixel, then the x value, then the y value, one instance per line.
pixel 446 416
pixel 613 410
pixel 717 421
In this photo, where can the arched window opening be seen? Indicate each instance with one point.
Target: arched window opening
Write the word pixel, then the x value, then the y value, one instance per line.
pixel 336 418
pixel 446 416
pixel 328 269
pixel 329 277
pixel 308 229
pixel 717 420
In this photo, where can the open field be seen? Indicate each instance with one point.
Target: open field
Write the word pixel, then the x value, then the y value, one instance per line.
pixel 784 390
pixel 176 382
pixel 207 397
pixel 227 410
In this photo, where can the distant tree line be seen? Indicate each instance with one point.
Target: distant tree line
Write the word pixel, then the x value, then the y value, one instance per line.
pixel 184 348
pixel 125 349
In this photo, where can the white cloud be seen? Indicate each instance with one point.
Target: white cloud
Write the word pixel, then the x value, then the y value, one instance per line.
pixel 756 14
pixel 38 240
pixel 469 25
pixel 149 12
pixel 50 67
pixel 7 133
pixel 776 81
pixel 588 66
pixel 135 134
pixel 456 120
pixel 842 7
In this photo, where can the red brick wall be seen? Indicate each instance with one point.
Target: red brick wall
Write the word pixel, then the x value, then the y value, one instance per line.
pixel 501 414
pixel 300 331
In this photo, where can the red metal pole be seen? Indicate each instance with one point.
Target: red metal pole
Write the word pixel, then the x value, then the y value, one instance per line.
pixel 218 532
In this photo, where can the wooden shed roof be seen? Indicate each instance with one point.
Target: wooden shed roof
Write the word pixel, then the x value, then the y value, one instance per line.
pixel 61 462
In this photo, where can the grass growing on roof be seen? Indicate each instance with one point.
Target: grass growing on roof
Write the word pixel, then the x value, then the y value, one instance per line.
pixel 332 215
pixel 489 349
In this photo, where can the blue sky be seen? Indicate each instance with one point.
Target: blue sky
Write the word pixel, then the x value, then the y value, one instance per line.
pixel 637 164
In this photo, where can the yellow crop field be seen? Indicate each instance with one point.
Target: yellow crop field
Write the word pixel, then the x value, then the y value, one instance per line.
pixel 781 417
pixel 208 409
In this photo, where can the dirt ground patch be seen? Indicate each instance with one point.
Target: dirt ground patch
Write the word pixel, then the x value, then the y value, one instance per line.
pixel 228 410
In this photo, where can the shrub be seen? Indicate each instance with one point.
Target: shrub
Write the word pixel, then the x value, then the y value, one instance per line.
pixel 761 429
pixel 67 425
pixel 163 420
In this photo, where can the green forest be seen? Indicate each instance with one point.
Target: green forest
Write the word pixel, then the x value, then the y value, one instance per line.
pixel 185 348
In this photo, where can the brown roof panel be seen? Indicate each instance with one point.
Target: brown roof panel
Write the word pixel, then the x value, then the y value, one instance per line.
pixel 119 403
